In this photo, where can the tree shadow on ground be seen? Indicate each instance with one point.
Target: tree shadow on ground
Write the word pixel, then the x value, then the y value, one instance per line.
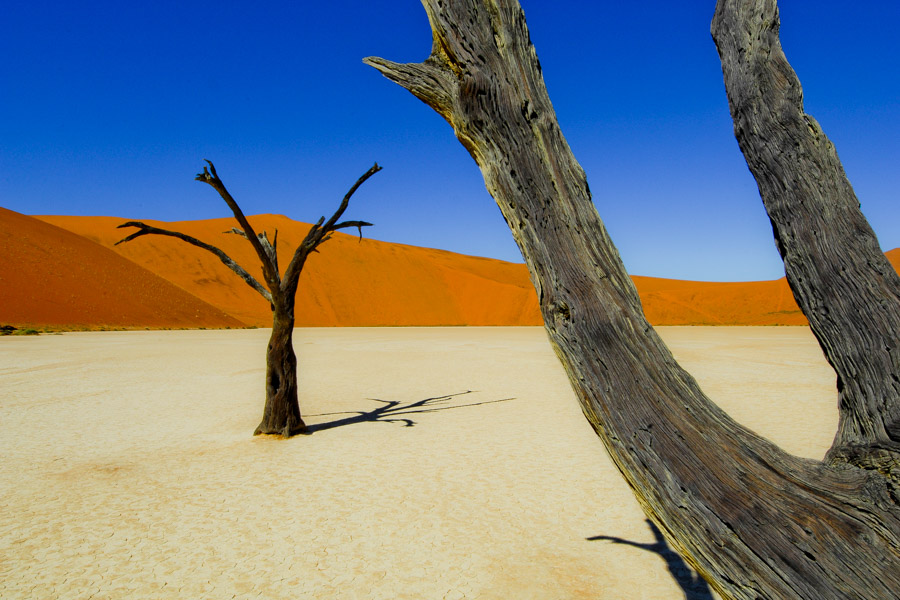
pixel 393 411
pixel 693 586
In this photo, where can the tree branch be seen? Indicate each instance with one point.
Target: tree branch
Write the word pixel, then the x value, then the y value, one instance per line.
pixel 270 270
pixel 144 229
pixel 428 81
pixel 358 224
pixel 839 276
pixel 321 231
pixel 269 247
pixel 345 202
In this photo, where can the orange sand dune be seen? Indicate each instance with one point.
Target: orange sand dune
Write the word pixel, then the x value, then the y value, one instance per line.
pixel 894 257
pixel 353 283
pixel 50 277
pixel 349 282
pixel 674 302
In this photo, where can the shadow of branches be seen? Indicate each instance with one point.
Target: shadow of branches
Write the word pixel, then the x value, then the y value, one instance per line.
pixel 393 411
pixel 693 586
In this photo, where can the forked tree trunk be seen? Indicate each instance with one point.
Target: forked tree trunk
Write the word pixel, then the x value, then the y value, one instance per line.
pixel 755 521
pixel 281 414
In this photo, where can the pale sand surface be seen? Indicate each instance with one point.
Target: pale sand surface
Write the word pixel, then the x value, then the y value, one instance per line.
pixel 128 469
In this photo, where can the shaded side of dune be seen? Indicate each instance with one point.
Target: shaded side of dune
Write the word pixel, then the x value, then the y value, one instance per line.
pixel 53 278
pixel 354 282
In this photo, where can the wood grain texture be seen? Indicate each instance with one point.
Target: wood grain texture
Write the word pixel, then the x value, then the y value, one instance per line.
pixel 753 520
pixel 281 413
pixel 834 265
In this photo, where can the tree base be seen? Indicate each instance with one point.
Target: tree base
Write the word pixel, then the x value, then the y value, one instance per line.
pixel 289 430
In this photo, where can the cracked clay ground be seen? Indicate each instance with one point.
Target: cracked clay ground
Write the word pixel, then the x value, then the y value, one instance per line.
pixel 445 464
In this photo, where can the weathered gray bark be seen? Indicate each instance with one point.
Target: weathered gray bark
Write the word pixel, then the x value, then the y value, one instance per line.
pixel 753 520
pixel 841 279
pixel 281 414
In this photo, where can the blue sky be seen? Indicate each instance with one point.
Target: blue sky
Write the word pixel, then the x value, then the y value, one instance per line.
pixel 109 108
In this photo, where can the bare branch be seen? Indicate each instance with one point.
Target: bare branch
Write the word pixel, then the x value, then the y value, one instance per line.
pixel 264 240
pixel 841 279
pixel 271 248
pixel 321 232
pixel 346 201
pixel 358 224
pixel 270 270
pixel 431 82
pixel 145 229
pixel 312 234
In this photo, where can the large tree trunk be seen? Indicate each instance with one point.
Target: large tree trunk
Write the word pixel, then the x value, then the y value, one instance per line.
pixel 841 279
pixel 753 520
pixel 281 414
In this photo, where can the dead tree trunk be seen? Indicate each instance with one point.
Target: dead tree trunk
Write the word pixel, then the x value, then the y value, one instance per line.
pixel 755 521
pixel 281 415
pixel 841 279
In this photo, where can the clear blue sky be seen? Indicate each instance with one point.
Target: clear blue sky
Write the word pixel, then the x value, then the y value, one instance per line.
pixel 108 108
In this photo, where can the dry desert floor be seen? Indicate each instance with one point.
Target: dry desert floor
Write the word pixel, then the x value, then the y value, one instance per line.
pixel 445 463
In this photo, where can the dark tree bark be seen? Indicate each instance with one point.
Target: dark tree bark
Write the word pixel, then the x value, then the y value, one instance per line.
pixel 755 521
pixel 841 279
pixel 281 415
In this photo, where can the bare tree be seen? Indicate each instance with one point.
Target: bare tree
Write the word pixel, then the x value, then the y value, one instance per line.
pixel 282 411
pixel 755 521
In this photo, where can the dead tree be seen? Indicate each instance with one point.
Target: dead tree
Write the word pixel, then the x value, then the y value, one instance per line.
pixel 282 410
pixel 755 521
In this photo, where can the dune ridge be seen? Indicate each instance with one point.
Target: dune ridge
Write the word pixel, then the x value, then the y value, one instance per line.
pixel 354 282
